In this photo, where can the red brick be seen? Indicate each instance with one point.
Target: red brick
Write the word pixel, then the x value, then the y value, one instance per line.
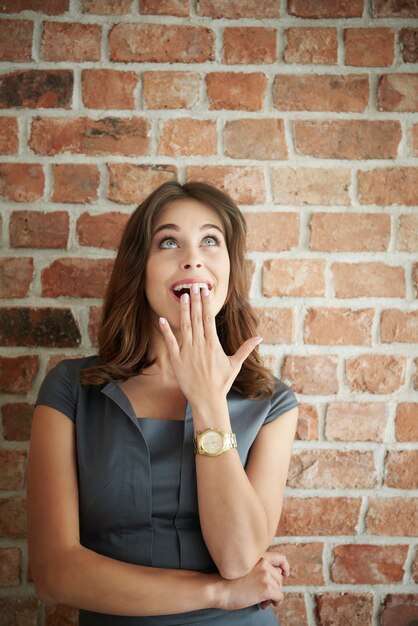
pixel 95 315
pixel 399 609
pixel 17 374
pixel 255 139
pixel 109 135
pixel 108 89
pixel 17 421
pixel 368 564
pixel 50 7
pixel 36 229
pixel 10 564
pixel 392 516
pixel 336 609
pixel 188 137
pixel 415 277
pixel 415 569
pixel 310 45
pixel 401 469
pixel 12 518
pixel 325 8
pixel 272 232
pixel 43 327
pixel 347 139
pixel 399 326
pixel 16 275
pixel 76 183
pixel 316 92
pixel 332 469
pixel 307 426
pixel 244 184
pixel 292 611
pixel 80 278
pixel 21 182
pixel 311 375
pixel 250 45
pixel 9 135
pixel 375 373
pixel 306 185
pixel 180 8
pixel 356 421
pixel 160 43
pixel 369 280
pixel 319 516
pixel 337 326
pixel 408 38
pixel 398 92
pixel 236 91
pixel 305 562
pixel 230 9
pixel 101 231
pixel 58 615
pixel 350 232
pixel 369 47
pixel 408 233
pixel 12 466
pixel 395 8
pixel 65 41
pixel 130 183
pixel 107 7
pixel 170 90
pixel 406 423
pixel 293 277
pixel 32 89
pixel 275 325
pixel 16 40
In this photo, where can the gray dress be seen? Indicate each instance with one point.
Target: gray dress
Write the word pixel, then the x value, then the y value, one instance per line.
pixel 137 483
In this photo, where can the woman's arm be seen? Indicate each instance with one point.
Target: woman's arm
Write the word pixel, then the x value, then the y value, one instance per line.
pixel 67 573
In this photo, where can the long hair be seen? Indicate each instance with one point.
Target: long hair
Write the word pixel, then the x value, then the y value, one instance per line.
pixel 124 332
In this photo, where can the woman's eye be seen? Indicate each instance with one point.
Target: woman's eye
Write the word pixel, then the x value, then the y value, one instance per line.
pixel 210 241
pixel 167 243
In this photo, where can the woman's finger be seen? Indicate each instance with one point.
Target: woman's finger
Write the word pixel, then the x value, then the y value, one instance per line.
pixel 245 350
pixel 209 320
pixel 277 559
pixel 170 339
pixel 196 312
pixel 185 321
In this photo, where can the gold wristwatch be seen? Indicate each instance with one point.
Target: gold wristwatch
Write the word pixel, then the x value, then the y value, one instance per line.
pixel 212 442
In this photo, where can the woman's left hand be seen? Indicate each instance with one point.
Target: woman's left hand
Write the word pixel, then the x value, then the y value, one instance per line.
pixel 203 371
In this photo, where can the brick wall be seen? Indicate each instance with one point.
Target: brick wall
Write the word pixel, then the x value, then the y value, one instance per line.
pixel 307 113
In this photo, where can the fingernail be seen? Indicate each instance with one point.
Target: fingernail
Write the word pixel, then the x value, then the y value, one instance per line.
pixel 257 341
pixel 205 291
pixel 163 320
pixel 185 298
pixel 195 288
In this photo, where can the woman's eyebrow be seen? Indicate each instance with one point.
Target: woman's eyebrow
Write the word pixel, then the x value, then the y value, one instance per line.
pixel 177 228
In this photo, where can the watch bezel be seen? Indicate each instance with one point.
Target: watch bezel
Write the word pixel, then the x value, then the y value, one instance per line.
pixel 205 434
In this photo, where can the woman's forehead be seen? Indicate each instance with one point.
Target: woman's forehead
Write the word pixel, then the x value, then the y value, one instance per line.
pixel 186 210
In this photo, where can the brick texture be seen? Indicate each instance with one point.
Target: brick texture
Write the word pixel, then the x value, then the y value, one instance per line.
pixel 305 92
pixel 311 45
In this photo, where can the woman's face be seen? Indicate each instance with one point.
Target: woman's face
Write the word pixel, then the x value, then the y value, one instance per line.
pixel 188 245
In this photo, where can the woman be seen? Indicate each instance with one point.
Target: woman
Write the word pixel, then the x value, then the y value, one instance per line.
pixel 156 501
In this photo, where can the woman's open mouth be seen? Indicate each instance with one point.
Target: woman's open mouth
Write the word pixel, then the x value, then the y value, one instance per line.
pixel 179 289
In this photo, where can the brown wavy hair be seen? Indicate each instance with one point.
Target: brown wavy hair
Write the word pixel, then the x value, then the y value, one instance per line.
pixel 124 333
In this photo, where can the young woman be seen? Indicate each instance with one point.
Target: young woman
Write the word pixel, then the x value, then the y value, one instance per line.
pixel 157 468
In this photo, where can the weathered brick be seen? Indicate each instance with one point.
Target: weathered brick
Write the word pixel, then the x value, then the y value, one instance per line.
pixel 250 45
pixel 170 90
pixel 244 184
pixel 356 421
pixel 16 275
pixel 369 47
pixel 109 135
pixel 293 277
pixel 335 609
pixel 332 469
pixel 12 518
pixel 350 232
pixel 50 7
pixel 272 232
pixel 392 516
pixel 107 7
pixel 46 327
pixel 319 516
pixel 415 277
pixel 408 38
pixel 18 373
pixel 401 469
pixel 406 424
pixel 101 231
pixel 21 182
pixel 25 608
pixel 311 375
pixel 310 45
pixel 37 229
pixel 10 564
pixel 347 139
pixel 108 89
pixel 375 373
pixel 180 8
pixel 414 139
pixel 367 564
pixel 65 41
pixel 399 326
pixel 9 135
pixel 292 611
pixel 130 183
pixel 408 233
pixel 369 280
pixel 306 185
pixel 395 8
pixel 398 92
pixel 188 137
pixel 275 325
pixel 16 40
pixel 415 569
pixel 399 609
pixel 305 560
pixel 95 315
pixel 80 278
pixel 160 43
pixel 12 469
pixel 255 139
pixel 17 421
pixel 57 615
pixel 325 8
pixel 42 89
pixel 236 90
pixel 307 426
pixel 230 9
pixel 321 92
pixel 75 182
pixel 337 326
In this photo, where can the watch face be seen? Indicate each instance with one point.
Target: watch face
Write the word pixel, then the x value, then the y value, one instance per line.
pixel 212 442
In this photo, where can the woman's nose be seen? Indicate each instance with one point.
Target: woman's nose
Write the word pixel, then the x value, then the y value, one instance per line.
pixel 192 263
pixel 191 258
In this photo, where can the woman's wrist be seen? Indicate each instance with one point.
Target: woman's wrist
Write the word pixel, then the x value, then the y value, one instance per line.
pixel 212 414
pixel 218 592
